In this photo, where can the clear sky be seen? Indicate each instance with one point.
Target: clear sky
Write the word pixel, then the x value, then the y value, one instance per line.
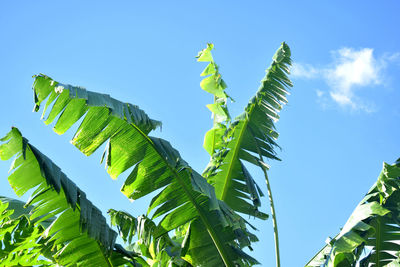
pixel 341 123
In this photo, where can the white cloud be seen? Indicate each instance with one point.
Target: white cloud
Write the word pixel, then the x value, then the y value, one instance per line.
pixel 350 71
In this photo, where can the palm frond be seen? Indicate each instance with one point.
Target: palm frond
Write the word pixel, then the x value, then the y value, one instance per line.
pixel 185 196
pixel 78 232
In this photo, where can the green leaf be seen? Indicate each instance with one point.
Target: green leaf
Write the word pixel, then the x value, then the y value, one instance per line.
pixel 161 249
pixel 157 165
pixel 21 243
pixel 362 212
pixel 205 54
pixel 214 85
pixel 210 69
pixel 218 110
pixel 250 138
pixel 213 138
pixel 374 223
pixel 74 226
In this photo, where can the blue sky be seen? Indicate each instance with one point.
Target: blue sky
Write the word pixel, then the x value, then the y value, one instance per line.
pixel 341 123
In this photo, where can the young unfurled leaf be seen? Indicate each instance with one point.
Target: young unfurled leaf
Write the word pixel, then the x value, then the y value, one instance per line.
pixel 218 110
pixel 210 69
pixel 213 85
pixel 213 138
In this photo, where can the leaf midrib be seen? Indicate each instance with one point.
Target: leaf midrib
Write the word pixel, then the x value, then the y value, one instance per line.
pixel 236 150
pixel 216 239
pixel 228 181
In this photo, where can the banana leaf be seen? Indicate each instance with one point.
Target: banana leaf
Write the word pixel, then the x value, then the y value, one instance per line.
pixel 185 195
pixel 161 250
pixel 250 138
pixel 372 229
pixel 21 243
pixel 75 228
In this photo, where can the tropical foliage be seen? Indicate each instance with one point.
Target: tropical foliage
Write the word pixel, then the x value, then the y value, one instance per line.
pixel 250 137
pixel 21 240
pixel 63 225
pixel 371 236
pixel 192 219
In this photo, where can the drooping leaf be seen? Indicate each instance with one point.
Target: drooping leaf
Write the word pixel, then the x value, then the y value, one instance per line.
pixel 185 194
pixel 78 232
pixel 104 116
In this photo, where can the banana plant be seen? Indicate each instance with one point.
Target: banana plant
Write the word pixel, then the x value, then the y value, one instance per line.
pixel 371 236
pixel 192 219
pixel 215 230
pixel 249 138
pixel 198 215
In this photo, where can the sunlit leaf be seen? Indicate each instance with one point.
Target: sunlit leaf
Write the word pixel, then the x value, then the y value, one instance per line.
pixel 185 195
pixel 76 229
pixel 251 137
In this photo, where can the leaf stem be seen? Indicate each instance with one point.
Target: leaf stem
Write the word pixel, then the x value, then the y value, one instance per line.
pixel 213 142
pixel 271 201
pixel 274 222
